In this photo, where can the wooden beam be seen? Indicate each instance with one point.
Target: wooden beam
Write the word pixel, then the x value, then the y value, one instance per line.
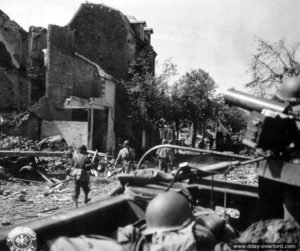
pixel 100 154
pixel 92 129
pixel 44 176
pixel 32 153
pixel 80 103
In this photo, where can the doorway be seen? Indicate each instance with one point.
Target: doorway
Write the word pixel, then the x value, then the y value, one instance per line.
pixel 100 130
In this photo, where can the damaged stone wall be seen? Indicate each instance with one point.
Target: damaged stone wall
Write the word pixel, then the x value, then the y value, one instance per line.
pixel 75 133
pixel 112 40
pixel 104 35
pixel 67 74
pixel 71 74
pixel 36 69
pixel 14 88
pixel 29 127
pixel 11 37
pixel 59 75
pixel 41 68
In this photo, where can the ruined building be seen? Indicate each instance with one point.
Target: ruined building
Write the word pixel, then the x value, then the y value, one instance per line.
pixel 70 77
pixel 14 89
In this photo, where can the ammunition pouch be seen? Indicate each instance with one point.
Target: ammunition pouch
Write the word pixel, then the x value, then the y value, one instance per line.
pixel 77 174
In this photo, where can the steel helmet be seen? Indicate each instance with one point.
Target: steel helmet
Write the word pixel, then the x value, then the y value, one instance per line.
pixel 168 211
pixel 290 90
pixel 82 148
pixel 126 143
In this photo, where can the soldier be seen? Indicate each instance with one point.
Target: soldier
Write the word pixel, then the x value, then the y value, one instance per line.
pixel 126 156
pixel 279 198
pixel 171 156
pixel 163 157
pixel 81 168
pixel 290 92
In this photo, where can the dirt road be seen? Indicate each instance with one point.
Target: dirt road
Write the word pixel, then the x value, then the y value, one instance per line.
pixel 33 204
pixel 17 209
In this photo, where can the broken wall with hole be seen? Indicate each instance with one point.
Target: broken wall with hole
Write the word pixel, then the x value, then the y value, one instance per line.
pixel 39 69
pixel 68 73
pixel 72 74
pixel 113 41
pixel 18 84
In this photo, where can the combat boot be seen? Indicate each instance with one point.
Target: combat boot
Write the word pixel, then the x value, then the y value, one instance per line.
pixel 75 202
pixel 86 199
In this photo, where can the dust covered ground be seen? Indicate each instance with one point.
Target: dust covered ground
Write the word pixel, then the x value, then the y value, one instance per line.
pixel 23 201
pixel 16 208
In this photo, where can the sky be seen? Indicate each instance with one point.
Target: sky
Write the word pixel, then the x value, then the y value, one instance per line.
pixel 217 36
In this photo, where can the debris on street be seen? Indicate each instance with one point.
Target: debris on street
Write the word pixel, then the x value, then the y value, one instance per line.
pixel 22 201
pixel 35 181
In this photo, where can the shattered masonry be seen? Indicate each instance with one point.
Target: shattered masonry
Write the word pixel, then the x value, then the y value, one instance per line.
pixel 85 59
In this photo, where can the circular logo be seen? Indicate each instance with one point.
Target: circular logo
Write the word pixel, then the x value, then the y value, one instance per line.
pixel 22 239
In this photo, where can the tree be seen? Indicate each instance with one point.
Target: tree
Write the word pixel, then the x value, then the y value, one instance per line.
pixel 230 116
pixel 234 118
pixel 195 93
pixel 149 97
pixel 141 88
pixel 272 63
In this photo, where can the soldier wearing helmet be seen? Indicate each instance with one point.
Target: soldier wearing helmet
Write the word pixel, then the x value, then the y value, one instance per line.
pixel 171 225
pixel 163 155
pixel 167 212
pixel 81 168
pixel 126 157
pixel 171 155
pixel 286 195
pixel 290 90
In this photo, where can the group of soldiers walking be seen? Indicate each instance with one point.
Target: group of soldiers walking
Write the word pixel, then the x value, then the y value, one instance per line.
pixel 82 165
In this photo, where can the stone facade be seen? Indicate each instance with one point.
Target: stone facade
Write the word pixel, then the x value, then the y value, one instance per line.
pixel 14 91
pixel 112 40
pixel 105 36
pixel 35 67
pixel 71 74
pixel 86 59
pixel 75 133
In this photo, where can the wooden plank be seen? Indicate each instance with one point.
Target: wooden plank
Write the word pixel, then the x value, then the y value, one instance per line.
pixel 92 128
pixel 4 153
pixel 61 182
pixel 44 177
pixel 99 154
pixel 28 181
pixel 79 103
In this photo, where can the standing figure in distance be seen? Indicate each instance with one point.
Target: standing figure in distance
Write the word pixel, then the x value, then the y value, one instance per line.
pixel 171 155
pixel 126 156
pixel 81 172
pixel 163 157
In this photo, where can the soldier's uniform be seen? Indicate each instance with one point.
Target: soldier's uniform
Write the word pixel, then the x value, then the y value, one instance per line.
pixel 163 157
pixel 81 172
pixel 276 192
pixel 126 157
